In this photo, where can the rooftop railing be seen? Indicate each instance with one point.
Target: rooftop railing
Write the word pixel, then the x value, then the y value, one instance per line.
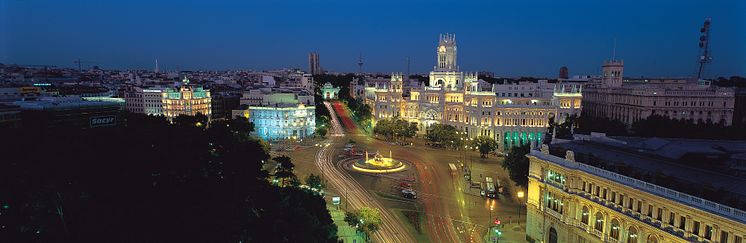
pixel 703 204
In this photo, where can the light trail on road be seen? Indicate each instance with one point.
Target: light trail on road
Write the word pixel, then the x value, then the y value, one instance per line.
pixel 391 229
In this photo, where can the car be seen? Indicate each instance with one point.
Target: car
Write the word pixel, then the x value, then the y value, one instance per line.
pixel 409 193
pixel 481 193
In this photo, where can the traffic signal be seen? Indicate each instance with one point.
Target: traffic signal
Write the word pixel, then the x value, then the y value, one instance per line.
pixel 497 221
pixel 498 232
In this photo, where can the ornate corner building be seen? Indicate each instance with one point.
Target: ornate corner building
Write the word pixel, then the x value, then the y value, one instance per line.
pixel 512 114
pixel 569 201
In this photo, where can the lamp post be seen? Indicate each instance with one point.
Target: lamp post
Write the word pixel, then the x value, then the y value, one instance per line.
pixel 520 205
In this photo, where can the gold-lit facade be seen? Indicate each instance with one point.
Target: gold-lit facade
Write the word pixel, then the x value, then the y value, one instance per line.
pixel 187 100
pixel 512 114
pixel 570 201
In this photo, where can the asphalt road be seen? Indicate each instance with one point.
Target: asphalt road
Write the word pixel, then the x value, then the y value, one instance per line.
pixel 353 193
pixel 454 212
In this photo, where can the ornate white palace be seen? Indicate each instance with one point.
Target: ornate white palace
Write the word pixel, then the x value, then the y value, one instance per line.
pixel 512 114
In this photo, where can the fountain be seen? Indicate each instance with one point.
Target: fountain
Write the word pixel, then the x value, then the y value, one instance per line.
pixel 378 164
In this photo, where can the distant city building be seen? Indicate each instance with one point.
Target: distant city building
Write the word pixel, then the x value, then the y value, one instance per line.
pixel 279 116
pixel 187 100
pixel 69 112
pixel 223 104
pixel 563 73
pixel 570 200
pixel 314 67
pixel 329 92
pixel 512 114
pixel 638 99
pixel 147 101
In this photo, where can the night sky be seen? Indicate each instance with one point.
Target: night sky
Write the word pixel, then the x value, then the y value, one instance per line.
pixel 510 38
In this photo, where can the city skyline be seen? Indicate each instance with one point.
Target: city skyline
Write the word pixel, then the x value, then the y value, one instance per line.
pixel 525 39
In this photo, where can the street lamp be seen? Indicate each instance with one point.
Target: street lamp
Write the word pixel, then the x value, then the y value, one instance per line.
pixel 520 205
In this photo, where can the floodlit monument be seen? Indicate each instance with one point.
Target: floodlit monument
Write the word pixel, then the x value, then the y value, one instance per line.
pixel 378 164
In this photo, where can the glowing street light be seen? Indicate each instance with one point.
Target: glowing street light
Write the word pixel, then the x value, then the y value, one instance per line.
pixel 520 205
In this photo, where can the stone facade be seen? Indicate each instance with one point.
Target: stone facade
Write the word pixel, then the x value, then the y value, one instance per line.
pixel 512 114
pixel 574 202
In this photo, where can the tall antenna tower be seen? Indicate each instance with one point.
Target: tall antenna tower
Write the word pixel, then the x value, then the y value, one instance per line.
pixel 407 79
pixel 360 64
pixel 704 47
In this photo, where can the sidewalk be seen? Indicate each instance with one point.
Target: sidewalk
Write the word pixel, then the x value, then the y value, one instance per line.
pixel 345 233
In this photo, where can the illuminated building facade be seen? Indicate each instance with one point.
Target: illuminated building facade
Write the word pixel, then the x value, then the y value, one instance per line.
pixel 629 101
pixel 187 100
pixel 279 116
pixel 512 114
pixel 147 101
pixel 569 201
pixel 329 92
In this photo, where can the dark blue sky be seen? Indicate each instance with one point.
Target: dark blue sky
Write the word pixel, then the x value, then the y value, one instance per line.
pixel 510 38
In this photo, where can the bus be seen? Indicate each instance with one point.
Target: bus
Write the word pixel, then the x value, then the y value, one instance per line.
pixel 490 187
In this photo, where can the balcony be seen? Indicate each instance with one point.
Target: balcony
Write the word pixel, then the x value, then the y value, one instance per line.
pixel 598 233
pixel 555 214
pixel 612 240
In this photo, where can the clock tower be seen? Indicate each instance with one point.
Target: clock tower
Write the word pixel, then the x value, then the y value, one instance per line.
pixel 447 53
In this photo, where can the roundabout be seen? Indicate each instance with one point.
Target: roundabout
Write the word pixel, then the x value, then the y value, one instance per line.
pixel 378 164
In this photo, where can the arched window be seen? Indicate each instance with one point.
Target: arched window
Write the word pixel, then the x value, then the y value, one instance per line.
pixel 552 235
pixel 632 236
pixel 599 222
pixel 652 239
pixel 585 215
pixel 614 229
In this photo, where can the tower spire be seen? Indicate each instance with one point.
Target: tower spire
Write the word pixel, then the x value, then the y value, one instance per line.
pixel 360 64
pixel 613 51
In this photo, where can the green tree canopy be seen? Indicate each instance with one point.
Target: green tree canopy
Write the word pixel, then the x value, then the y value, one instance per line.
pixel 517 164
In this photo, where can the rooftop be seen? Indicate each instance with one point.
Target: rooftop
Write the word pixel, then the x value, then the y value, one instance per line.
pixel 702 168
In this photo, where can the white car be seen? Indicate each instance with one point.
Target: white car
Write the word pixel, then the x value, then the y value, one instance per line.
pixel 409 193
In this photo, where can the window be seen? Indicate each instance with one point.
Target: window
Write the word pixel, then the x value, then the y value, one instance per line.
pixel 632 235
pixel 639 206
pixel 737 239
pixel 604 194
pixel 650 210
pixel 682 222
pixel 723 237
pixel 671 218
pixel 614 229
pixel 599 222
pixel 708 232
pixel 584 217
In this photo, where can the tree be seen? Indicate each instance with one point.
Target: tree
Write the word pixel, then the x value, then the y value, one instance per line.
pixel 445 135
pixel 370 219
pixel 485 145
pixel 145 180
pixel 353 219
pixel 517 165
pixel 315 181
pixel 393 128
pixel 284 171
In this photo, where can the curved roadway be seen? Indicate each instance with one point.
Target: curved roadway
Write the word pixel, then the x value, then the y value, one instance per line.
pixel 391 230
